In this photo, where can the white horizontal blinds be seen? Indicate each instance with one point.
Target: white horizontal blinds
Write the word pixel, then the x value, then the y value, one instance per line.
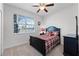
pixel 21 24
pixel 30 25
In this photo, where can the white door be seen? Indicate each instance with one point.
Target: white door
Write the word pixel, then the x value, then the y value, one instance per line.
pixel 0 35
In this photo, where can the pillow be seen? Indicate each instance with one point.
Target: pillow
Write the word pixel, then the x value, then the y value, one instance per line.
pixel 52 33
pixel 56 33
pixel 49 34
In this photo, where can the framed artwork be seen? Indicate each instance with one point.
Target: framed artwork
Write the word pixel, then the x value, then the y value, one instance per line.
pixel 39 23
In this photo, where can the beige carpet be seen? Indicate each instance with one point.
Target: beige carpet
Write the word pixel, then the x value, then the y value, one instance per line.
pixel 27 50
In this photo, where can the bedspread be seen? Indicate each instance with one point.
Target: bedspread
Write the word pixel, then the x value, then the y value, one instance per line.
pixel 49 44
pixel 50 41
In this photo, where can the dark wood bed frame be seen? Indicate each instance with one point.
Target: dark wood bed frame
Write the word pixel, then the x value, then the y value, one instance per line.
pixel 39 44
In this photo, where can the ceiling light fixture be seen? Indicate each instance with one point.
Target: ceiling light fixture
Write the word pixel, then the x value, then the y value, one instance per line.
pixel 42 7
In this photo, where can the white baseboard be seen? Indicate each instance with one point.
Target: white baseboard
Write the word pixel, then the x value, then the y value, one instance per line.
pixel 13 45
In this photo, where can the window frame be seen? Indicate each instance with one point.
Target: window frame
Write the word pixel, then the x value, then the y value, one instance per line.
pixel 26 29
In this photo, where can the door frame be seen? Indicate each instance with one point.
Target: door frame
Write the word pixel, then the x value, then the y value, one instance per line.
pixel 1 34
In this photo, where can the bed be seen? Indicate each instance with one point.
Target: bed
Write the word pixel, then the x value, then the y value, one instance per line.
pixel 45 43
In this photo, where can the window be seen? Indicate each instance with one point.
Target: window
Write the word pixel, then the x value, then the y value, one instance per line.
pixel 24 24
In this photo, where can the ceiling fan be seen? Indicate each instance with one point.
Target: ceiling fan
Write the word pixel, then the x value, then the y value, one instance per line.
pixel 43 6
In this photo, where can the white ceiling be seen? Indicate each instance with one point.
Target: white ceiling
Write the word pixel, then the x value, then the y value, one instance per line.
pixel 52 9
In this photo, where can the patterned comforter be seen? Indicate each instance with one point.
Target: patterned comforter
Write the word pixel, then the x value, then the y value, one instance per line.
pixel 50 41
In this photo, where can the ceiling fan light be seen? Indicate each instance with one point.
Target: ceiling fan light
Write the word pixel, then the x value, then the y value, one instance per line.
pixel 42 7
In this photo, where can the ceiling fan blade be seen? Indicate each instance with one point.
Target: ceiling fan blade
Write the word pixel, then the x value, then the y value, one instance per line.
pixel 38 10
pixel 35 6
pixel 50 5
pixel 45 10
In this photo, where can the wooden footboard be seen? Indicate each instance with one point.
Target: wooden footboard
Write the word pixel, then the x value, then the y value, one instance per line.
pixel 38 44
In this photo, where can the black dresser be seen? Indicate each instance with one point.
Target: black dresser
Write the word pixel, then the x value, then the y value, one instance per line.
pixel 70 45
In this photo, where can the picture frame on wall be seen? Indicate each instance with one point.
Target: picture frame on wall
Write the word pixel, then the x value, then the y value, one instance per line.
pixel 39 23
